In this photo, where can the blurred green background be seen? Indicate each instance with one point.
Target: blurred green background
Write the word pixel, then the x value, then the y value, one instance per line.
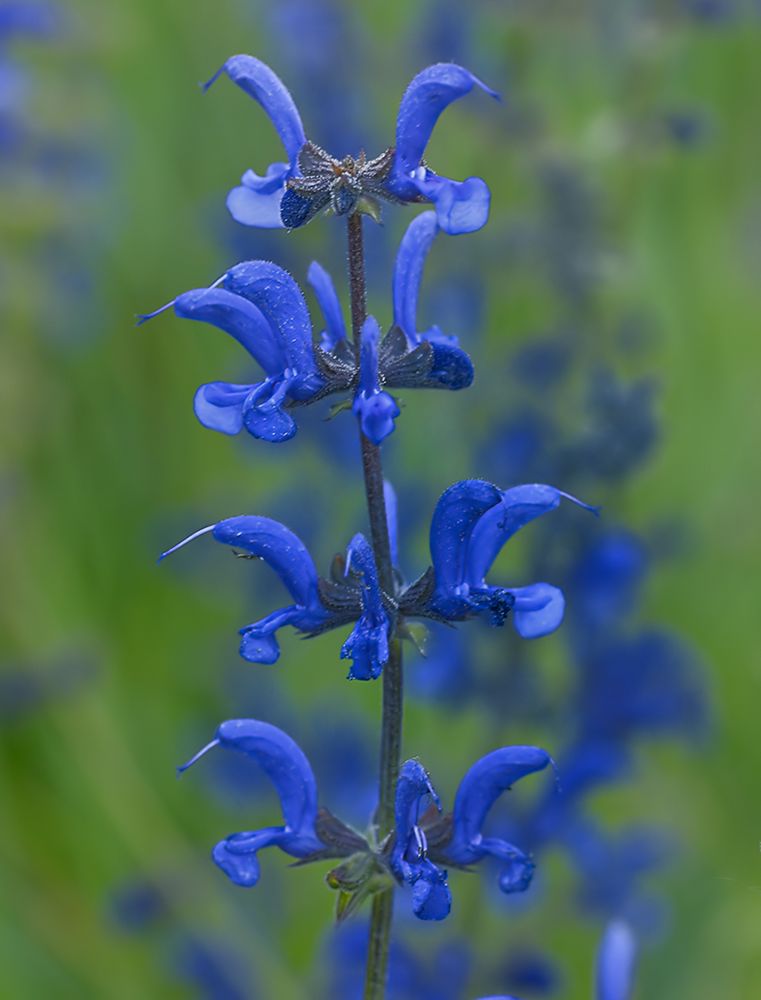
pixel 115 670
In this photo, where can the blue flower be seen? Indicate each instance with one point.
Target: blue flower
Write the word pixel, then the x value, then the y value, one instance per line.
pixel 367 646
pixel 615 965
pixel 262 307
pixel 375 409
pixel 439 975
pixel 290 773
pixel 616 961
pixel 404 358
pixel 450 366
pixel 472 521
pixel 647 683
pixel 257 201
pixel 431 899
pixel 319 604
pixel 271 541
pixel 334 334
pixel 461 207
pixel 293 192
pixel 479 789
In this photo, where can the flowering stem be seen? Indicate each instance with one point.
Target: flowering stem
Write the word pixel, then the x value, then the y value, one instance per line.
pixel 391 723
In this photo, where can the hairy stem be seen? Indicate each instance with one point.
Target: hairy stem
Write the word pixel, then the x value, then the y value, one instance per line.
pixel 391 723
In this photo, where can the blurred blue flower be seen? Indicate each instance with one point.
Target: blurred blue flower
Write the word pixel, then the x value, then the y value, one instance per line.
pixel 643 684
pixel 612 868
pixel 292 193
pixel 440 976
pixel 616 958
pixel 137 904
pixel 27 689
pixel 688 128
pixel 213 970
pixel 615 964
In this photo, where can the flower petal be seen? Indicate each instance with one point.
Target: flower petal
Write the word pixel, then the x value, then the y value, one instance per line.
pixel 288 769
pixel 367 648
pixel 259 82
pixel 538 609
pixel 451 367
pixel 242 865
pixel 408 271
pixel 238 317
pixel 281 549
pixel 376 413
pixel 218 406
pixel 258 647
pixel 367 645
pixel 431 898
pixel 256 202
pixel 457 512
pixel 518 507
pixel 479 790
pixel 413 787
pixel 461 206
pixel 616 960
pixel 324 289
pixel 273 291
pixel 392 520
pixel 263 414
pixel 427 95
pixel 375 409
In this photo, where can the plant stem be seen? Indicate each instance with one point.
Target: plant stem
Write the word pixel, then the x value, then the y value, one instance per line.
pixel 391 722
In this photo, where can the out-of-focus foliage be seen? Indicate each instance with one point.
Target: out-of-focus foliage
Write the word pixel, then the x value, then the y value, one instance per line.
pixel 610 309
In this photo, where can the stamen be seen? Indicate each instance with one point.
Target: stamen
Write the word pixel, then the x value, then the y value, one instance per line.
pixel 209 746
pixel 144 317
pixel 196 534
pixel 580 503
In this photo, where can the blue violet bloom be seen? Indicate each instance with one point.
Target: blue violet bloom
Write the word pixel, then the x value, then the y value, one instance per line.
pixel 615 965
pixel 472 521
pixel 422 839
pixel 291 193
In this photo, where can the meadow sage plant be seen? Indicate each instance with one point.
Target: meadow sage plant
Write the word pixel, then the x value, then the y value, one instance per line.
pixel 413 842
